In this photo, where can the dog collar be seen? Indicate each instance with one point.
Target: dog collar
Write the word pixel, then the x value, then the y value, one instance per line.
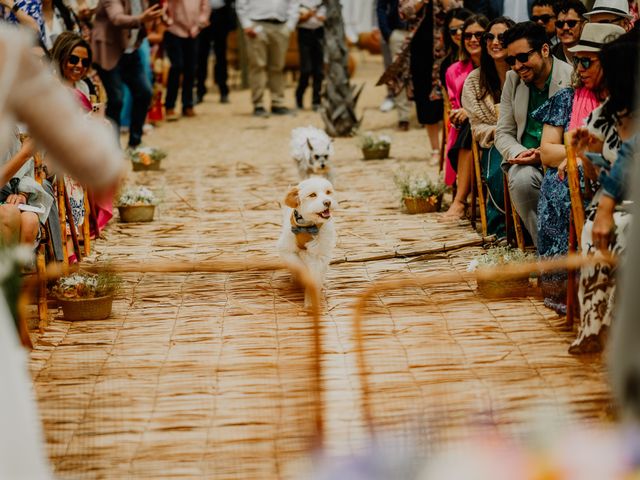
pixel 303 231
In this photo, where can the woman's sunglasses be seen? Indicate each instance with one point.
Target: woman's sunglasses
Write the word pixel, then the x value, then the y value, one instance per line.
pixel 490 37
pixel 454 30
pixel 570 23
pixel 520 57
pixel 584 62
pixel 74 59
pixel 476 35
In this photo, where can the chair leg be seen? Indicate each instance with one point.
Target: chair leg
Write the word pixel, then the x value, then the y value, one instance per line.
pixel 86 228
pixel 571 276
pixel 72 226
pixel 480 187
pixel 43 311
pixel 62 217
pixel 474 201
pixel 508 218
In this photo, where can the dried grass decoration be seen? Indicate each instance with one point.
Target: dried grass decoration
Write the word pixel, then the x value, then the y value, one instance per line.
pixel 419 193
pixel 375 147
pixel 495 257
pixel 137 204
pixel 85 296
pixel 146 158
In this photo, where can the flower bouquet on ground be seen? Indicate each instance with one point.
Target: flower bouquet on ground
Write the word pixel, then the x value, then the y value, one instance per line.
pixel 419 193
pixel 496 257
pixel 374 146
pixel 86 296
pixel 146 158
pixel 137 204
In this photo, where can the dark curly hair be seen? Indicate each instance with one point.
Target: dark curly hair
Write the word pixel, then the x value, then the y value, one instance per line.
pixel 535 34
pixel 619 61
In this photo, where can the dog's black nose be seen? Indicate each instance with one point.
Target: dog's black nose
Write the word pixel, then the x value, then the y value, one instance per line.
pixel 322 165
pixel 327 203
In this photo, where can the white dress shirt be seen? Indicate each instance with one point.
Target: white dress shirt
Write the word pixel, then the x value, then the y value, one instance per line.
pixel 285 11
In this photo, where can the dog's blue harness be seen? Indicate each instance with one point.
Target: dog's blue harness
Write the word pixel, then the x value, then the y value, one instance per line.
pixel 300 226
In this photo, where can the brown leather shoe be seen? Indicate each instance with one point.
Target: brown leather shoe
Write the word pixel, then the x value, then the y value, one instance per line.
pixel 171 115
pixel 189 112
pixel 403 126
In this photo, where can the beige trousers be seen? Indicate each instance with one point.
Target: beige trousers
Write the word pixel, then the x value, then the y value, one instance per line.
pixel 396 40
pixel 266 54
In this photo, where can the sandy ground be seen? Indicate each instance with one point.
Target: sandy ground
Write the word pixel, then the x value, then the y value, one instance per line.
pixel 209 375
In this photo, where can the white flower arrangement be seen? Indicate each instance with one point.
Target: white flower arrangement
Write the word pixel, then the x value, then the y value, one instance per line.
pixel 500 256
pixel 87 285
pixel 146 155
pixel 137 196
pixel 418 185
pixel 373 141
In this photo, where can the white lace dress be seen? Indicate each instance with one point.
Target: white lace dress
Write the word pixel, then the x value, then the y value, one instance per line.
pixel 88 151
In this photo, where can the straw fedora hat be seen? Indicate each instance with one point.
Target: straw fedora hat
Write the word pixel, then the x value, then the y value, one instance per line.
pixel 615 7
pixel 595 35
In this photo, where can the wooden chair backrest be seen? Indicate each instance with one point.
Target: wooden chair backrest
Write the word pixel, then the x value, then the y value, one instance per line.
pixel 573 177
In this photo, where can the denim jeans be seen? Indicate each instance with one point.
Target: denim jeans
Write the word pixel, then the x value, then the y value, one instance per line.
pixel 182 54
pixel 130 72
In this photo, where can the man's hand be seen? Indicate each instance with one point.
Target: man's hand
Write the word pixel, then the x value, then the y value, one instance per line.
pixel 603 224
pixel 151 14
pixel 528 157
pixel 16 199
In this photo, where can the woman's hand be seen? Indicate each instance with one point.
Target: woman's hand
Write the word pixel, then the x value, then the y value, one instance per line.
pixel 603 224
pixel 562 169
pixel 458 116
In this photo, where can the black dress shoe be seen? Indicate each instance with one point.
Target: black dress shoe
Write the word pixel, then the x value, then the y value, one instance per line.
pixel 224 99
pixel 280 110
pixel 260 112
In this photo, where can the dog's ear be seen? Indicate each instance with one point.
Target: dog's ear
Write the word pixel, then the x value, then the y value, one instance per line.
pixel 292 200
pixel 309 145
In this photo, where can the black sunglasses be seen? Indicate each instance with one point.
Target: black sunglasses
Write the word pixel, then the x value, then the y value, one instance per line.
pixel 454 30
pixel 490 37
pixel 584 62
pixel 520 57
pixel 476 35
pixel 74 59
pixel 570 23
pixel 542 18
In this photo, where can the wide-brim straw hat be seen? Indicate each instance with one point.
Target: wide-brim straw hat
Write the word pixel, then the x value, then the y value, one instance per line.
pixel 595 35
pixel 616 7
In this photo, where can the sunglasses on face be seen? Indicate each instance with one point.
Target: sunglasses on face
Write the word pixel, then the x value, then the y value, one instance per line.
pixel 490 37
pixel 584 62
pixel 520 57
pixel 608 21
pixel 476 35
pixel 454 30
pixel 74 59
pixel 570 23
pixel 542 18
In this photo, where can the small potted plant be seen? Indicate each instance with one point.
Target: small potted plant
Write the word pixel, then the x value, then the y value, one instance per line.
pixel 87 296
pixel 137 204
pixel 375 147
pixel 146 158
pixel 419 193
pixel 495 257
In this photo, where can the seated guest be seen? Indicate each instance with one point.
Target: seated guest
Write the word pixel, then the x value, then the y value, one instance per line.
pixel 611 11
pixel 535 77
pixel 606 227
pixel 480 95
pixel 542 13
pixel 58 18
pixel 568 27
pixel 566 110
pixel 17 225
pixel 458 151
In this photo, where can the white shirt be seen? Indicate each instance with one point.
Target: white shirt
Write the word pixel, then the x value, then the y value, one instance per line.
pixel 516 10
pixel 283 10
pixel 313 23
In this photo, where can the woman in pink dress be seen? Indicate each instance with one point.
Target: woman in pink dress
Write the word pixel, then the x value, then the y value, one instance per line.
pixel 458 152
pixel 72 55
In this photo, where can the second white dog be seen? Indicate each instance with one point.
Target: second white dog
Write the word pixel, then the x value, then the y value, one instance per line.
pixel 308 230
pixel 312 149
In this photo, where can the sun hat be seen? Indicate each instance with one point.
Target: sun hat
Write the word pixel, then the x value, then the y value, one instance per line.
pixel 615 7
pixel 595 35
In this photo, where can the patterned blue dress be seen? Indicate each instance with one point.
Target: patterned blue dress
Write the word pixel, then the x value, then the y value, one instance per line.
pixel 554 206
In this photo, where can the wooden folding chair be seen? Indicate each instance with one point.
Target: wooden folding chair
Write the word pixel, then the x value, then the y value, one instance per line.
pixel 41 267
pixel 576 224
pixel 512 220
pixel 445 128
pixel 477 189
